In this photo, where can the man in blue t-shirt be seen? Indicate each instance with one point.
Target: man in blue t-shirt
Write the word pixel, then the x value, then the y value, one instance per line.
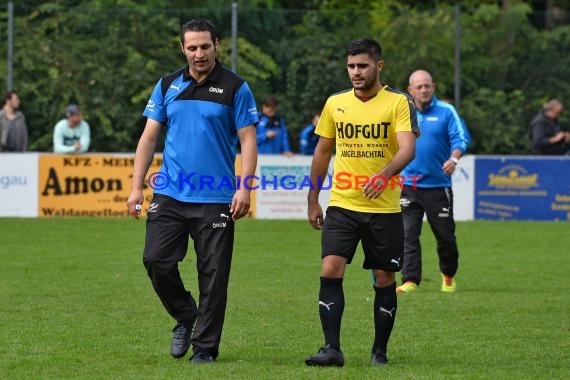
pixel 309 139
pixel 272 134
pixel 427 187
pixel 205 108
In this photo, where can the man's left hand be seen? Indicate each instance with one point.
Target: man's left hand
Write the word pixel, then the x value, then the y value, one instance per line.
pixel 240 204
pixel 374 187
pixel 449 167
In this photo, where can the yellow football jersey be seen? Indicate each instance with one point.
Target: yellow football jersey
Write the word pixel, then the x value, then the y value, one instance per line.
pixel 365 133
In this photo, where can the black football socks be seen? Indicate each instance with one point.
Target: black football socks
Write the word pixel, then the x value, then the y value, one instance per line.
pixel 331 306
pixel 385 304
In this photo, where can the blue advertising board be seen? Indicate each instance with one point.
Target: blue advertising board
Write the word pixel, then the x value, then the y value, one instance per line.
pixel 522 188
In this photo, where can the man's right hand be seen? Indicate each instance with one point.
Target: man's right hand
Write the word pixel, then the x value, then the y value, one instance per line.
pixel 135 199
pixel 559 137
pixel 315 214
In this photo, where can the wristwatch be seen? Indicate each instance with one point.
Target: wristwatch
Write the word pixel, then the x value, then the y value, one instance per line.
pixel 454 159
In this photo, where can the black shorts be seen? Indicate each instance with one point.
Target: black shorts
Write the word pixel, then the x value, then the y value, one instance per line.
pixel 382 237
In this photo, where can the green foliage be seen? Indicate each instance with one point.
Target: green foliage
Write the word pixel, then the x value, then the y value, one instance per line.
pixel 496 120
pixel 103 66
pixel 509 69
pixel 313 74
pixel 316 65
pixel 545 76
pixel 107 55
pixel 418 40
pixel 495 47
pixel 254 64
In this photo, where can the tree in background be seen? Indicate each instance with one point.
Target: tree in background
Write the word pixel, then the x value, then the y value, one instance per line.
pixel 70 55
pixel 510 68
pixel 106 55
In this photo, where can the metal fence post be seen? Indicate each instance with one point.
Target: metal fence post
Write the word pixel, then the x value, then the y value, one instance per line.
pixel 234 35
pixel 9 57
pixel 457 87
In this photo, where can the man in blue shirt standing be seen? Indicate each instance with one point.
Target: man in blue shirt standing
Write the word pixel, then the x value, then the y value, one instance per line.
pixel 309 139
pixel 205 108
pixel 272 135
pixel 427 188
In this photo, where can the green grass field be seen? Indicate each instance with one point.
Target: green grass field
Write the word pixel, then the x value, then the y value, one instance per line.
pixel 75 302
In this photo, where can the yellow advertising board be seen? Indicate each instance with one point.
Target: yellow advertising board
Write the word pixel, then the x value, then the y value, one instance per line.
pixel 93 185
pixel 88 185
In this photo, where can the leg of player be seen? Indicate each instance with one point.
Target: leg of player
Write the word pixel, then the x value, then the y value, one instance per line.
pixel 385 305
pixel 440 218
pixel 331 307
pixel 213 235
pixel 412 215
pixel 165 246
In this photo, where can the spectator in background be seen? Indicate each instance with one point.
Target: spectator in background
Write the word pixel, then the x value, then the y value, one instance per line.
pixel 308 141
pixel 547 136
pixel 13 128
pixel 72 134
pixel 272 136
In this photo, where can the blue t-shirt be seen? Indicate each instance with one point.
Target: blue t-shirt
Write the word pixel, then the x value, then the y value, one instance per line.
pixel 441 133
pixel 308 140
pixel 279 143
pixel 202 121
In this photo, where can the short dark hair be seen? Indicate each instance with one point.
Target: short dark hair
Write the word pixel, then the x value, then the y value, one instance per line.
pixel 9 95
pixel 270 101
pixel 198 25
pixel 365 45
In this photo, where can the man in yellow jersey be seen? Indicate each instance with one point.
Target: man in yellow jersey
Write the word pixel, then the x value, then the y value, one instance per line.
pixel 375 129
